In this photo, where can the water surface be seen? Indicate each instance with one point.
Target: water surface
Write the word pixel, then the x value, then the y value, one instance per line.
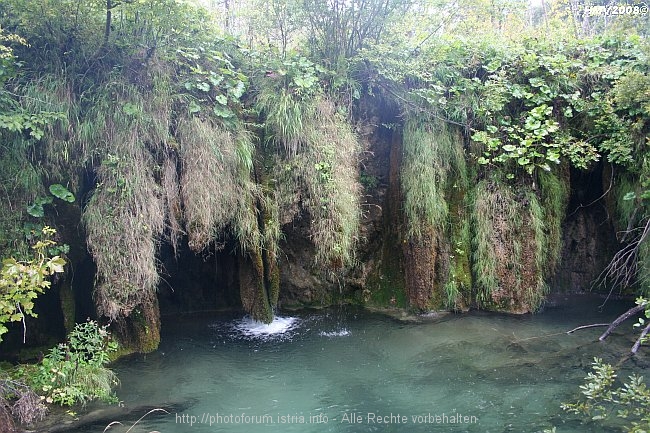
pixel 348 370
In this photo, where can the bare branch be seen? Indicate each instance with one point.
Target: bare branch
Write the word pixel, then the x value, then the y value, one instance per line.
pixel 623 317
pixel 594 325
pixel 623 269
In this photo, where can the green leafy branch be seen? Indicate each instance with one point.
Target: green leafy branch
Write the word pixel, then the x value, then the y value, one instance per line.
pixel 213 80
pixel 22 281
pixel 75 371
pixel 603 396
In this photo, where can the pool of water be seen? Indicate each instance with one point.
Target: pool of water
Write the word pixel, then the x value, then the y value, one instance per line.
pixel 349 370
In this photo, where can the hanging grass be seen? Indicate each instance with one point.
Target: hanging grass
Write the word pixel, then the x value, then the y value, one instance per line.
pixel 29 160
pixel 287 118
pixel 625 209
pixel 125 216
pixel 53 94
pixel 554 198
pixel 333 186
pixel 20 185
pixel 172 196
pixel 510 246
pixel 215 183
pixel 432 158
pixel 124 220
pixel 434 185
pixel 322 178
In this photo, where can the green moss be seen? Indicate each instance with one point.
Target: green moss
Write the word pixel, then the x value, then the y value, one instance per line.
pixel 458 284
pixel 386 287
pixel 68 308
pixel 144 335
pixel 554 192
pixel 261 309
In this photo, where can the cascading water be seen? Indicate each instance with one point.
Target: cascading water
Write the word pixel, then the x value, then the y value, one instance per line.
pixel 280 328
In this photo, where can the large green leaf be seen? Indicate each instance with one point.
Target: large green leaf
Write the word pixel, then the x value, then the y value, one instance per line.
pixel 36 210
pixel 60 191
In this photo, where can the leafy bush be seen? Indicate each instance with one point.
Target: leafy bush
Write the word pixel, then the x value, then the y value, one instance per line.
pixel 22 281
pixel 75 372
pixel 603 396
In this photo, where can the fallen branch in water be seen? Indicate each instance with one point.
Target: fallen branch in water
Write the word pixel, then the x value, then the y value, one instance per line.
pixel 595 325
pixel 622 318
pixel 638 342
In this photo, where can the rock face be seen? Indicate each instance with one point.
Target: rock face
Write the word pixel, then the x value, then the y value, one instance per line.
pixel 489 253
pixel 588 234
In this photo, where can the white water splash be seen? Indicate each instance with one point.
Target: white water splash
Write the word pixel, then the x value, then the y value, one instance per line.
pixel 279 328
pixel 342 333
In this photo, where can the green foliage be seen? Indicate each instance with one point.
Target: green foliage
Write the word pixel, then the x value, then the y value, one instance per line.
pixel 212 80
pixel 285 100
pixel 641 322
pixel 603 396
pixel 433 157
pixel 75 372
pixel 22 281
pixel 37 210
pixel 510 242
pixel 319 174
pixel 61 192
pixel 339 29
pixel 530 105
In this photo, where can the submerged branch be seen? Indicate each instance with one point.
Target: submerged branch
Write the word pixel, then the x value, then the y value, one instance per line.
pixel 594 325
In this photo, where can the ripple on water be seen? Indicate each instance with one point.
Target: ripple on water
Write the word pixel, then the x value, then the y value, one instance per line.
pixel 332 334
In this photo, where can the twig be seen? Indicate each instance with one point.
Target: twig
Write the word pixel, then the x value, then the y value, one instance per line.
pixel 135 423
pixel 623 269
pixel 595 325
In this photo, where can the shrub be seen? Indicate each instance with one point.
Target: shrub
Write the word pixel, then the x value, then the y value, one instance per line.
pixel 22 281
pixel 603 396
pixel 75 372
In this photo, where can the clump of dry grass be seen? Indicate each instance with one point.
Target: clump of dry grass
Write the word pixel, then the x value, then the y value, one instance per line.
pixel 23 403
pixel 124 220
pixel 215 184
pixel 125 217
pixel 172 195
